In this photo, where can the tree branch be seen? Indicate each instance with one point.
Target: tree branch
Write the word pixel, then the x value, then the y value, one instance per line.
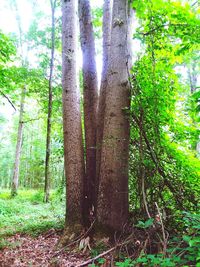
pixel 35 119
pixel 196 2
pixel 158 167
pixel 8 99
pixel 162 26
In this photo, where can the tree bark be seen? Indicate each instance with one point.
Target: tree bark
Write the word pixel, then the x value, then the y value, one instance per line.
pixel 73 145
pixel 131 19
pixel 112 209
pixel 15 179
pixel 90 92
pixel 107 18
pixel 192 75
pixel 49 116
pixel 193 78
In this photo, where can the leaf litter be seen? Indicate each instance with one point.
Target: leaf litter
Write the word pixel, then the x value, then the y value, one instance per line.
pixel 28 251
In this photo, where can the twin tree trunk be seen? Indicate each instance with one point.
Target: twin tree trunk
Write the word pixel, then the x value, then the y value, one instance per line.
pixel 106 133
pixel 73 144
pixel 90 92
pixel 107 19
pixel 112 207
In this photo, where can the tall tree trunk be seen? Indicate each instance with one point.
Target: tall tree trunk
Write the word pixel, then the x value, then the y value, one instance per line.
pixel 73 145
pixel 49 116
pixel 107 18
pixel 15 179
pixel 192 75
pixel 112 209
pixel 90 89
pixel 131 19
pixel 193 78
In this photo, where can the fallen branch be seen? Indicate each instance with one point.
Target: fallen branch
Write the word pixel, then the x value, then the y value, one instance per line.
pixel 126 242
pixel 97 257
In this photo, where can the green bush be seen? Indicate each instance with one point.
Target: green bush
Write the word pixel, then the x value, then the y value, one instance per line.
pixel 181 251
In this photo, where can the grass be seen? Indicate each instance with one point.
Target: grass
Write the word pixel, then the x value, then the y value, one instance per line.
pixel 27 214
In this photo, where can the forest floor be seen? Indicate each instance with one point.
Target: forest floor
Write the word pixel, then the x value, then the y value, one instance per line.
pixel 30 231
pixel 24 250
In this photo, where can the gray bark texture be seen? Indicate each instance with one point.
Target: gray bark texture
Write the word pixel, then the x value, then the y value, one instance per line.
pixel 112 208
pixel 15 179
pixel 107 18
pixel 49 116
pixel 131 19
pixel 73 145
pixel 90 92
pixel 193 76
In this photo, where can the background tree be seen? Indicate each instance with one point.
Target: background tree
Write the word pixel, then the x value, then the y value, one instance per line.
pixel 49 117
pixel 36 76
pixel 15 179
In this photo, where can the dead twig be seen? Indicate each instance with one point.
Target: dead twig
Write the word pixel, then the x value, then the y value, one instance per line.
pixel 126 242
pixel 78 239
pixel 97 257
pixel 145 199
pixel 165 238
pixel 30 120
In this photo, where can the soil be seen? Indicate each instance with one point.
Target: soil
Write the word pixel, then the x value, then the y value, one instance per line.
pixel 42 251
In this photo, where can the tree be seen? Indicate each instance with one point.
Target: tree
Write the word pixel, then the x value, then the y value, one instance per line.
pixel 90 92
pixel 113 118
pixel 46 44
pixel 113 138
pixel 73 145
pixel 15 178
pixel 112 208
pixel 49 116
pixel 107 17
pixel 192 75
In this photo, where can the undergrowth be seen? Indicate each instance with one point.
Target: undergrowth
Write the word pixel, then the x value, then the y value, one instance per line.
pixel 27 214
pixel 150 244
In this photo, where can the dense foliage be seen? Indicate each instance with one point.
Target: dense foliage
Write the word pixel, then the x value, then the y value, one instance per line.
pixel 164 167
